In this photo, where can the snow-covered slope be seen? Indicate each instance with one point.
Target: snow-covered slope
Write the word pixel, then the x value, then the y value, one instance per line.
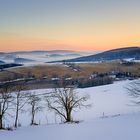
pixel 119 128
pixel 120 120
pixel 108 100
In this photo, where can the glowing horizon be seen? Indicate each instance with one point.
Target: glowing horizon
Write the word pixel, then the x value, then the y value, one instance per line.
pixel 82 25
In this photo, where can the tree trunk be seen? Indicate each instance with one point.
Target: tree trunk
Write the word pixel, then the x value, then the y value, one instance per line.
pixel 17 112
pixel 1 123
pixel 32 121
pixel 68 117
pixel 33 116
pixel 16 119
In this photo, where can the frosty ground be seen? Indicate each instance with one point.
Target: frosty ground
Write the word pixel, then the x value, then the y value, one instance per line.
pixel 111 117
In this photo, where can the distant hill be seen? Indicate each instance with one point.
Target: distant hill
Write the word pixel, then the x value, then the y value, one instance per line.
pixel 60 51
pixel 55 55
pixel 9 65
pixel 42 52
pixel 75 54
pixel 2 62
pixel 1 53
pixel 40 56
pixel 121 53
pixel 64 55
pixel 9 56
pixel 22 60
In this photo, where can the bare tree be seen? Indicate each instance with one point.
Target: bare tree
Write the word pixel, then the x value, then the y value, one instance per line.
pixel 65 100
pixel 20 100
pixel 5 99
pixel 134 91
pixel 34 102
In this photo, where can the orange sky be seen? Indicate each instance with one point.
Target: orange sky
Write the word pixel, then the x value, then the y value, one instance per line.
pixel 90 26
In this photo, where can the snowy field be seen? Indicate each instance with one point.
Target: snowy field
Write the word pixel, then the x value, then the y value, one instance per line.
pixel 119 128
pixel 120 121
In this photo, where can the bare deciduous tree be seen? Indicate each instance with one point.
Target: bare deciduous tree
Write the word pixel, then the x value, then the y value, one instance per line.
pixel 134 91
pixel 19 101
pixel 65 100
pixel 5 99
pixel 34 102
